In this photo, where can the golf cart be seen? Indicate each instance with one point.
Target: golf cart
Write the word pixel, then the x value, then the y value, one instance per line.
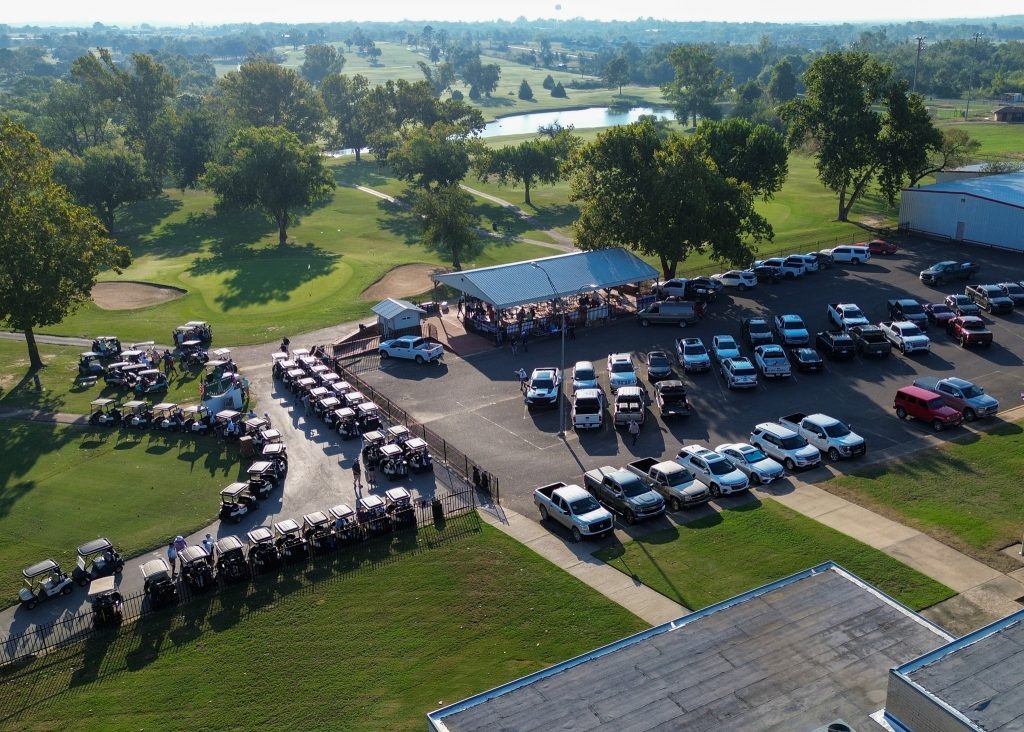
pixel 97 558
pixel 399 506
pixel 392 462
pixel 235 502
pixel 373 441
pixel 373 515
pixel 345 423
pixel 151 381
pixel 398 434
pixel 159 585
pixel 164 416
pixel 354 398
pixel 132 355
pixel 89 365
pixel 417 454
pixel 106 346
pixel 318 371
pixel 329 379
pixel 292 376
pixel 290 541
pixel 197 418
pixel 298 353
pixel 303 385
pixel 368 417
pixel 106 602
pixel 192 354
pixel 104 412
pixel 277 453
pixel 340 389
pixel 222 354
pixel 316 393
pixel 316 527
pixel 263 552
pixel 196 568
pixel 263 478
pixel 253 426
pixel 325 407
pixel 43 581
pixel 228 424
pixel 137 414
pixel 231 563
pixel 270 437
pixel 346 528
pixel 193 330
pixel 279 360
pixel 123 373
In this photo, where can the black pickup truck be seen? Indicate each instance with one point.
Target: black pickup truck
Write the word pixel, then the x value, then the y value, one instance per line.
pixel 947 271
pixel 870 341
pixel 622 492
pixel 910 310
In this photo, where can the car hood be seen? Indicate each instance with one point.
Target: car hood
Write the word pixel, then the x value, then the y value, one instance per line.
pixel 856 320
pixel 598 514
pixel 850 440
pixel 733 477
pixel 628 378
pixel 700 358
pixel 795 331
pixel 541 393
pixel 650 499
pixel 808 453
pixel 693 488
pixel 917 339
pixel 666 369
pixel 766 467
pixel 724 353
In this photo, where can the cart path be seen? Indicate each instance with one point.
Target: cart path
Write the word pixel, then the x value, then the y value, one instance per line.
pixel 561 242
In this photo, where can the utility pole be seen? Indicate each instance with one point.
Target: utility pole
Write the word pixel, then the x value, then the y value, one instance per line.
pixel 917 63
pixel 974 66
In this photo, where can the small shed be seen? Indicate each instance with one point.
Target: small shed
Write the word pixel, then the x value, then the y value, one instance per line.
pixel 397 317
pixel 1012 114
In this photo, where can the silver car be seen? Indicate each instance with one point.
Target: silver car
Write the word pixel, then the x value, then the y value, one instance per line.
pixel 751 461
pixel 584 376
pixel 713 470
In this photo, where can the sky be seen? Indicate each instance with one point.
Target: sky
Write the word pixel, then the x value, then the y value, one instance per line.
pixel 200 12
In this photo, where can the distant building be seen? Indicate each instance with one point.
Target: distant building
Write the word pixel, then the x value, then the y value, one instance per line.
pixel 1012 114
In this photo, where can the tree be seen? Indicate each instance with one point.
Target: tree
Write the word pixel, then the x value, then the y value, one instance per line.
pixel 698 83
pixel 549 82
pixel 105 178
pixel 321 60
pixel 531 161
pixel 448 222
pixel 853 141
pixel 268 169
pixel 195 137
pixel 480 76
pixel 782 85
pixel 957 148
pixel 52 249
pixel 431 157
pixel 661 195
pixel 525 92
pixel 616 72
pixel 345 100
pixel 263 94
pixel 755 156
pixel 146 89
pixel 558 91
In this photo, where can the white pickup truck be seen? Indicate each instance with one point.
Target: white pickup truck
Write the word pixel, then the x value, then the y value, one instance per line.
pixel 905 336
pixel 413 348
pixel 828 434
pixel 844 315
pixel 573 508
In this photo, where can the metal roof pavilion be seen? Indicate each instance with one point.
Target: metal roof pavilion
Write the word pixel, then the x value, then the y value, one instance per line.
pixel 1007 188
pixel 519 283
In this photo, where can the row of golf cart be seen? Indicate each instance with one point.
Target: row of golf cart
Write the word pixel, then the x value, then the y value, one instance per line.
pixel 263 476
pixel 395 452
pixel 97 559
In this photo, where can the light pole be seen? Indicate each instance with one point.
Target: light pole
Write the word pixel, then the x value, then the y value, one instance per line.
pixel 917 63
pixel 970 78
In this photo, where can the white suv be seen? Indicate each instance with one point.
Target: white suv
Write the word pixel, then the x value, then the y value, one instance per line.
pixel 785 445
pixel 849 254
pixel 713 470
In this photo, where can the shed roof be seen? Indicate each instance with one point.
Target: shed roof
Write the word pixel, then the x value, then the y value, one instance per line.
pixel 1005 188
pixel 796 654
pixel 392 308
pixel 519 283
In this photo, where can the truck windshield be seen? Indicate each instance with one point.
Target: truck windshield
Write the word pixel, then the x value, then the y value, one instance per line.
pixel 973 391
pixel 910 330
pixel 837 429
pixel 544 384
pixel 679 477
pixel 849 312
pixel 584 505
pixel 697 350
pixel 633 488
pixel 584 374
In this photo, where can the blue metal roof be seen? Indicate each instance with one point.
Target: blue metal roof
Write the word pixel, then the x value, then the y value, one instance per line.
pixel 519 283
pixel 1006 188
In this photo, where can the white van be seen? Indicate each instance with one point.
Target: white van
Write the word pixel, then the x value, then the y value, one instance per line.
pixel 850 254
pixel 588 409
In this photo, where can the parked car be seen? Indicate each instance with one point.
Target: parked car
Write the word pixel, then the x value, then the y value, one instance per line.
pixel 588 409
pixel 938 313
pixel 675 286
pixel 713 470
pixel 670 396
pixel 658 366
pixel 806 359
pixel 830 435
pixel 772 362
pixel 623 492
pixel 756 332
pixel 947 271
pixel 845 315
pixel 621 371
pixel 723 347
pixel 927 406
pixel 681 313
pixel 967 398
pixel 791 330
pixel 413 348
pixel 788 270
pixel 740 279
pixel 670 479
pixel 825 260
pixel 881 246
pixel 850 254
pixel 1014 291
pixel 785 445
pixel 835 344
pixel 767 273
pixel 544 387
pixel 969 330
pixel 739 373
pixel 962 305
pixel 573 508
pixel 693 356
pixel 809 263
pixel 870 341
pixel 584 376
pixel 752 462
pixel 990 298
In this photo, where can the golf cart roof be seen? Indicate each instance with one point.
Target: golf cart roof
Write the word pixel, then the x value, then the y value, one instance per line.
pixel 320 369
pixel 270 435
pixel 150 372
pixel 355 395
pixel 94 547
pixel 155 568
pixel 101 586
pixel 320 392
pixel 330 377
pixel 260 535
pixel 88 354
pixel 399 430
pixel 274 448
pixel 222 353
pixel 289 365
pixel 297 352
pixel 193 553
pixel 47 566
pixel 367 408
pixel 227 414
pixel 342 510
pixel 257 422
pixel 118 365
pixel 398 494
pixel 315 519
pixel 308 381
pixel 103 339
pixel 330 402
pixel 192 343
pixel 234 490
pixel 415 443
pixel 287 526
pixel 371 501
pixel 196 324
pixel 100 402
pixel 260 467
pixel 129 353
pixel 164 406
pixel 344 413
pixel 373 436
pixel 194 409
pixel 228 544
pixel 279 356
pixel 214 364
pixel 134 403
pixel 295 373
pixel 140 367
pixel 391 450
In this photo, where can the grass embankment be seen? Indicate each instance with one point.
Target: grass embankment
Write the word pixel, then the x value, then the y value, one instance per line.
pixel 965 494
pixel 62 486
pixel 738 549
pixel 374 649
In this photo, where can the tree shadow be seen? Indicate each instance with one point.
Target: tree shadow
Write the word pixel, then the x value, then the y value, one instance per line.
pixel 25 443
pixel 401 222
pixel 488 102
pixel 137 221
pixel 366 173
pixel 219 230
pixel 555 216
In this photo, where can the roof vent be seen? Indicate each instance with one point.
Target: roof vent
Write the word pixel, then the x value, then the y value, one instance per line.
pixel 837 725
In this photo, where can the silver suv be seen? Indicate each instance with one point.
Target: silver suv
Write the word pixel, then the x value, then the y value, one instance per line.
pixel 785 445
pixel 713 470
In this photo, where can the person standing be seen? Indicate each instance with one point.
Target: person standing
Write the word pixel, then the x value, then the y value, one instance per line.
pixel 357 482
pixel 371 476
pixel 172 558
pixel 634 429
pixel 523 378
pixel 208 544
pixel 514 344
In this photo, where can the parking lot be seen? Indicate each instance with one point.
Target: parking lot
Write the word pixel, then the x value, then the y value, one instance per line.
pixel 476 404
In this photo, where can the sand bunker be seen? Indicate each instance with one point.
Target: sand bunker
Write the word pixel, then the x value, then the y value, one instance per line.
pixel 404 281
pixel 131 295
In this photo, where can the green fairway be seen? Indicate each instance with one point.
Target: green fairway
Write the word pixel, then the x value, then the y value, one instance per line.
pixel 738 549
pixel 372 649
pixel 966 494
pixel 997 140
pixel 62 486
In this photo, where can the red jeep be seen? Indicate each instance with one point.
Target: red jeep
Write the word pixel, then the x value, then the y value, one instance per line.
pixel 927 406
pixel 969 330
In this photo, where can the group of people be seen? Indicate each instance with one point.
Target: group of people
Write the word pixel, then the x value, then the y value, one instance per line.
pixel 357 475
pixel 178 545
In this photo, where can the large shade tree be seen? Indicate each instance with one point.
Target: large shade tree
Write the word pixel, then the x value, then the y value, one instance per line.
pixel 447 220
pixel 698 83
pixel 530 162
pixel 52 249
pixel 268 169
pixel 264 94
pixel 105 178
pixel 349 124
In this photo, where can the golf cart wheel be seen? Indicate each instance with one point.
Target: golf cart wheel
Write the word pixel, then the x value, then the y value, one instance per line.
pixel 576 535
pixel 543 513
pixel 833 454
pixel 937 425
pixel 645 322
pixel 901 412
pixel 419 359
pixel 790 465
pixel 674 504
pixel 82 581
pixel 31 604
pixel 67 589
pixel 970 415
pixel 383 354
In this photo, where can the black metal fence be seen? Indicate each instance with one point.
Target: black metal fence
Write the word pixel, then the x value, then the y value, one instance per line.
pixel 43 638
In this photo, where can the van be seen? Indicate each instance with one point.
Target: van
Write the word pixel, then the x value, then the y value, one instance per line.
pixel 629 405
pixel 927 406
pixel 588 409
pixel 850 254
pixel 681 313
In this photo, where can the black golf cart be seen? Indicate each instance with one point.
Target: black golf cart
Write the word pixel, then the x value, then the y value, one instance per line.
pixel 106 346
pixel 96 558
pixel 290 541
pixel 106 603
pixel 231 563
pixel 417 454
pixel 368 416
pixel 399 507
pixel 196 569
pixel 160 587
pixel 392 462
pixel 316 528
pixel 197 419
pixel 345 423
pixel 192 355
pixel 373 441
pixel 263 552
pixel 346 527
pixel 373 515
pixel 151 381
pixel 42 582
pixel 89 365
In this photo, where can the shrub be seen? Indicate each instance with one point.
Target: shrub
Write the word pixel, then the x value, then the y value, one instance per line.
pixel 559 91
pixel 457 95
pixel 549 82
pixel 525 92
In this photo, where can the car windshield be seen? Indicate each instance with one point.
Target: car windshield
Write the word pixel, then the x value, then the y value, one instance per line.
pixel 622 367
pixel 634 488
pixel 793 442
pixel 658 360
pixel 759 328
pixel 911 308
pixel 719 466
pixel 584 505
pixel 973 391
pixel 793 323
pixel 543 384
pixel 695 350
pixel 753 456
pixel 837 430
pixel 727 344
pixel 584 374
pixel 1014 289
pixel 849 312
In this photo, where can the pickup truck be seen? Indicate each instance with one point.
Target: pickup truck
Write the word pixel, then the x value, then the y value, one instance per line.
pixel 413 348
pixel 905 336
pixel 622 492
pixel 845 315
pixel 828 434
pixel 947 271
pixel 670 396
pixel 870 340
pixel 969 330
pixel 990 298
pixel 629 406
pixel 772 361
pixel 910 310
pixel 967 398
pixel 573 508
pixel 672 481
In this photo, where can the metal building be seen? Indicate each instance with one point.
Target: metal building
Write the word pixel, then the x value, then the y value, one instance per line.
pixel 988 210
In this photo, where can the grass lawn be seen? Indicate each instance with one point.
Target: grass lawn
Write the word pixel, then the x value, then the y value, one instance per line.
pixel 997 140
pixel 966 494
pixel 373 649
pixel 61 486
pixel 738 549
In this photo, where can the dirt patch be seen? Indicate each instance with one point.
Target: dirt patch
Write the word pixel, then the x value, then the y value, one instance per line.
pixel 131 295
pixel 404 281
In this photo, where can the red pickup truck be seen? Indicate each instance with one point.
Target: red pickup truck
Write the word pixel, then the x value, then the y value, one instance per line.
pixel 969 330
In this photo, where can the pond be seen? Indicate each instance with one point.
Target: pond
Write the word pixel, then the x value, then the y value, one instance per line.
pixel 581 119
